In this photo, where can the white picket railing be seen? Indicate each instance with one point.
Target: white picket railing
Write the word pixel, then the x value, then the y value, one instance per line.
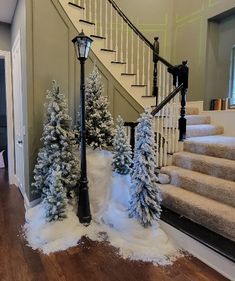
pixel 136 53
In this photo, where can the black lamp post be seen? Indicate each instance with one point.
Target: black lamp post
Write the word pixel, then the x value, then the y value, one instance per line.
pixel 82 45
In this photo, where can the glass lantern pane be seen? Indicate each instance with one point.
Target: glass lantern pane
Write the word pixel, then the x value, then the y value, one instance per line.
pixel 88 45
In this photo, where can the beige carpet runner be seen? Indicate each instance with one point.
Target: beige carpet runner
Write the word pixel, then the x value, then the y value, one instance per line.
pixel 202 176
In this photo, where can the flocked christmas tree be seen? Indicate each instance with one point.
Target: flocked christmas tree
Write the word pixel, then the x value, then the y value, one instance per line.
pixel 55 200
pixel 145 193
pixel 57 169
pixel 121 150
pixel 99 121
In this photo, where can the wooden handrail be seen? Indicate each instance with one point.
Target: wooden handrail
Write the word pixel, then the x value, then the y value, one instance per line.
pixel 167 99
pixel 134 28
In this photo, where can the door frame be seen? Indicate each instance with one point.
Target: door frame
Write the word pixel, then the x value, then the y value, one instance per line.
pixel 6 55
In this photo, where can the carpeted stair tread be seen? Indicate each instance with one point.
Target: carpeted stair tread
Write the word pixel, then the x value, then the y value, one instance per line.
pixel 203 130
pixel 192 110
pixel 208 186
pixel 217 167
pixel 214 215
pixel 217 146
pixel 197 119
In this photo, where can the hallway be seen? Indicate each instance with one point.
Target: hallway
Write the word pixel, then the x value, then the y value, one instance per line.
pixel 89 261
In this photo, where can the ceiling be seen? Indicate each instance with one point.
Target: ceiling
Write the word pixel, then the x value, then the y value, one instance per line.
pixel 7 8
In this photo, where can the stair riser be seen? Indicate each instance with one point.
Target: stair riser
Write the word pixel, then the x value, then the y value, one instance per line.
pixel 197 119
pixel 212 169
pixel 193 132
pixel 209 220
pixel 210 150
pixel 214 192
pixel 192 110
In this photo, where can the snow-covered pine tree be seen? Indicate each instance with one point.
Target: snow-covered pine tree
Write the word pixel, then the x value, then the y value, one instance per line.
pixel 55 200
pixel 99 121
pixel 145 193
pixel 121 149
pixel 58 150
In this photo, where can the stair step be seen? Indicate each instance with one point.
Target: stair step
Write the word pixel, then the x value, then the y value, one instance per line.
pixel 88 22
pixel 118 62
pixel 192 110
pixel 216 146
pixel 203 130
pixel 98 37
pixel 127 74
pixel 149 97
pixel 217 167
pixel 75 5
pixel 108 50
pixel 197 119
pixel 215 188
pixel 209 213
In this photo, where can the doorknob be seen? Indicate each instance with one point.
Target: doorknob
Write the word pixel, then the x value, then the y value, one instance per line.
pixel 20 142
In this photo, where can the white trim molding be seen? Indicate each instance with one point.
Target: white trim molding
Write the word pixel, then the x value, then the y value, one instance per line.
pixel 206 255
pixel 10 123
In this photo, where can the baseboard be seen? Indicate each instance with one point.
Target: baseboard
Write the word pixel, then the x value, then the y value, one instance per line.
pixel 213 259
pixel 203 235
pixel 30 204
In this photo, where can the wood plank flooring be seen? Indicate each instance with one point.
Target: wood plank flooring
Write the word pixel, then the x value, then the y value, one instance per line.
pixel 89 261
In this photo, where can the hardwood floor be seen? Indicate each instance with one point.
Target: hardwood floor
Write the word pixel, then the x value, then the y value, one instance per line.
pixel 89 261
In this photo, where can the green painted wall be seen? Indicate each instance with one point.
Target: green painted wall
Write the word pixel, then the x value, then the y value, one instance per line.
pixel 5 36
pixel 51 56
pixel 190 39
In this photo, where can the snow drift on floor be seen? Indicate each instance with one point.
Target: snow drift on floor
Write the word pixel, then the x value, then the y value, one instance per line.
pixel 109 196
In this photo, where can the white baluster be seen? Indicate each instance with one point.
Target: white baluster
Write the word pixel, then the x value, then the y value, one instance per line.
pixel 101 18
pixel 157 140
pixel 96 17
pixel 149 72
pixel 176 121
pixel 161 142
pixel 122 40
pixel 132 51
pixel 106 24
pixel 116 35
pixel 111 26
pixel 85 10
pixel 165 154
pixel 143 66
pixel 163 82
pixel 160 83
pixel 90 10
pixel 138 61
pixel 127 48
pixel 171 127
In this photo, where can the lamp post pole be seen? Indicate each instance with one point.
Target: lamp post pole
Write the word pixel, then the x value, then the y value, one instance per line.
pixel 82 45
pixel 84 212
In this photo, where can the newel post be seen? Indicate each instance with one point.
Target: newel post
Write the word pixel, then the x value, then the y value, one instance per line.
pixel 183 74
pixel 132 126
pixel 155 61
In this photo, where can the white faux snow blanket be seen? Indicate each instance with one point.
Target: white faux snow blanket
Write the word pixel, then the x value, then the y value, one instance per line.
pixel 109 197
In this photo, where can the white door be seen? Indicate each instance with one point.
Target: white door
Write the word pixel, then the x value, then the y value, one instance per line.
pixel 18 114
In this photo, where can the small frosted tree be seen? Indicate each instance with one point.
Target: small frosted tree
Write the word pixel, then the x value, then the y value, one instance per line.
pixel 55 200
pixel 99 121
pixel 57 155
pixel 145 193
pixel 121 149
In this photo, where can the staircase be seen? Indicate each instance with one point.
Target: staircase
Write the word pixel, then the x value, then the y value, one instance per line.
pixel 202 186
pixel 128 56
